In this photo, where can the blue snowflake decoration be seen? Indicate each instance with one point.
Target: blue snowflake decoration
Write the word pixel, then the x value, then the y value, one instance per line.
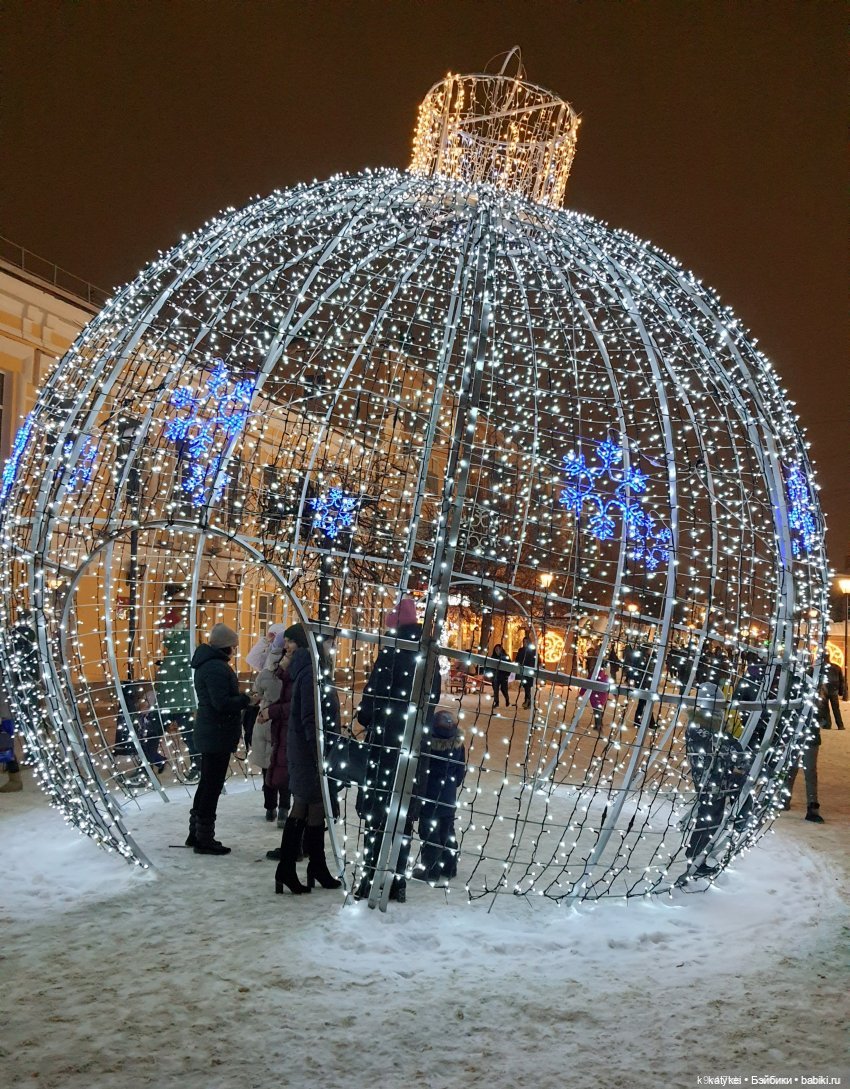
pixel 212 416
pixel 619 505
pixel 802 517
pixel 334 512
pixel 83 469
pixel 10 469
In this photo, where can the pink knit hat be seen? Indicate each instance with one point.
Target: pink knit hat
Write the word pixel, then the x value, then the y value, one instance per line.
pixel 407 611
pixel 391 618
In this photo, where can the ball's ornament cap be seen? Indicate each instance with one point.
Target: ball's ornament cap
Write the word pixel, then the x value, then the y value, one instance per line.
pixel 499 130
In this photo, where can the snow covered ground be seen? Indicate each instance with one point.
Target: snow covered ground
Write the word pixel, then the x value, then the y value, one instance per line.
pixel 115 978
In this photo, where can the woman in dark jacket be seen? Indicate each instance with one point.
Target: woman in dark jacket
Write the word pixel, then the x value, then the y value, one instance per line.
pixel 498 677
pixel 307 816
pixel 383 711
pixel 218 727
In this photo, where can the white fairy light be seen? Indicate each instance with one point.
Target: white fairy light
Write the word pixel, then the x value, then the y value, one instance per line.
pixel 437 382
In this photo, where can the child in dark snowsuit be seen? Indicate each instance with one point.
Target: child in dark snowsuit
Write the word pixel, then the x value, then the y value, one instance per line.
pixel 719 768
pixel 441 773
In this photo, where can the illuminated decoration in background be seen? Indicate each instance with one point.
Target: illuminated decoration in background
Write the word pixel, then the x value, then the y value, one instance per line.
pixel 552 647
pixel 19 445
pixel 334 512
pixel 650 542
pixel 429 338
pixel 214 417
pixel 803 514
pixel 82 471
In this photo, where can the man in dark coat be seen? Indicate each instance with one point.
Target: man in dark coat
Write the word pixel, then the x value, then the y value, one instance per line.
pixel 638 667
pixel 834 690
pixel 218 727
pixel 383 711
pixel 526 657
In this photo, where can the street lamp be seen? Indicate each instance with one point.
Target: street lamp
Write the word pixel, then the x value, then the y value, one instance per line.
pixel 844 587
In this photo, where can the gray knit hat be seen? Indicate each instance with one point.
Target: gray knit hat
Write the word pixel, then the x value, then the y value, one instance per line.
pixel 221 636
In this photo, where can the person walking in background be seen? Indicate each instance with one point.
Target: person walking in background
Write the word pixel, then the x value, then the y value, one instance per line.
pixel 307 817
pixel 598 700
pixel 638 666
pixel 526 659
pixel 441 772
pixel 834 690
pixel 218 728
pixel 498 676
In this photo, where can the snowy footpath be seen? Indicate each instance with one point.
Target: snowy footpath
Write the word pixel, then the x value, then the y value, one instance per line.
pixel 199 975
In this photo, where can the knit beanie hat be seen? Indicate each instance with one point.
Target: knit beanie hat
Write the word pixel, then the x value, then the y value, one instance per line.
pixel 444 721
pixel 296 633
pixel 407 611
pixel 391 618
pixel 221 636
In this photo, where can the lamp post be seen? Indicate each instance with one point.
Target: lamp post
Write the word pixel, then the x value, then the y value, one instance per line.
pixel 844 587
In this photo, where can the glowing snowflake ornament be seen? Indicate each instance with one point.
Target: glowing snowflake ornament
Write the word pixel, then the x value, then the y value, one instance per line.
pixel 567 442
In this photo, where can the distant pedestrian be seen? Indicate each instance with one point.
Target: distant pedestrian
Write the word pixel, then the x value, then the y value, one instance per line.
pixel 498 676
pixel 835 690
pixel 598 700
pixel 526 659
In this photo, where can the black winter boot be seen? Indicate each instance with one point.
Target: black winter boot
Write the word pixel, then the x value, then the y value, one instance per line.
pixel 317 867
pixel 205 841
pixel 192 838
pixel 290 843
pixel 813 813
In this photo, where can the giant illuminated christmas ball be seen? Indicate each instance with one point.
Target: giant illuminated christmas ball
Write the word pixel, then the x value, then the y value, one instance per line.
pixel 436 383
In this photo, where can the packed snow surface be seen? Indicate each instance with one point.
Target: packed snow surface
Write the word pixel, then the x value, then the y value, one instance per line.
pixel 117 978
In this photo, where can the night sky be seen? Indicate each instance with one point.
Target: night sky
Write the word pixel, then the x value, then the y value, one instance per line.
pixel 715 130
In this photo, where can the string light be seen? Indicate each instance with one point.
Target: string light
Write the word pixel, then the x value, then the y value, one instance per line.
pixel 432 340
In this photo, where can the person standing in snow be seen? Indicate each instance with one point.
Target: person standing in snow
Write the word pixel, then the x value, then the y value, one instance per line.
pixel 719 768
pixel 307 816
pixel 268 687
pixel 441 771
pixel 384 712
pixel 218 727
pixel 808 759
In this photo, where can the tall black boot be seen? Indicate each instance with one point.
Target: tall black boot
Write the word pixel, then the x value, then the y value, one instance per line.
pixel 317 867
pixel 290 843
pixel 192 838
pixel 205 841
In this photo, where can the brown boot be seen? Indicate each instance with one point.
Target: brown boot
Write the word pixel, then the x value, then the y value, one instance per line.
pixel 14 784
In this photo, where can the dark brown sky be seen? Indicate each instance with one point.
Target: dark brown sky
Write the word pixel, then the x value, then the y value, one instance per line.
pixel 716 130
